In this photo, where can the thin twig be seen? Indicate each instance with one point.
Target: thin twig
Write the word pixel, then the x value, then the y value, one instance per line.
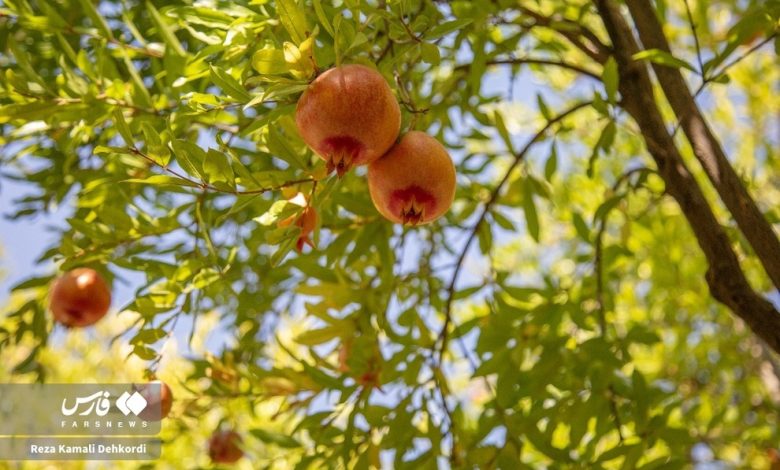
pixel 707 80
pixel 695 37
pixel 734 62
pixel 411 34
pixel 209 187
pixel 443 334
pixel 753 49
pixel 539 61
pixel 574 32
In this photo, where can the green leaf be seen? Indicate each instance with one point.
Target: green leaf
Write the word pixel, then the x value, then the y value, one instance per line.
pixel 205 278
pixel 542 443
pixel 610 78
pixel 165 31
pixel 360 39
pixel 430 53
pixel 660 57
pixel 552 163
pixel 485 238
pixel 503 132
pixel 155 148
pixel 23 61
pixel 664 463
pixel 336 295
pixel 642 397
pixel 29 363
pixel 608 136
pixel 149 336
pixel 643 335
pixel 102 149
pixel 217 169
pixel 41 23
pixel 607 206
pixel 275 212
pixel 604 144
pixel 293 18
pixel 281 148
pixel 467 293
pixel 228 84
pixel 531 217
pixel 31 283
pixel 189 156
pixel 323 18
pixel 123 128
pixel 755 20
pixel 100 23
pixel 600 105
pixel 269 61
pixel 539 187
pixel 618 451
pixel 319 336
pixel 142 94
pixel 448 27
pixel 292 55
pixel 502 221
pixel 580 226
pixel 162 180
pixel 284 248
pixel 245 177
pixel 722 79
pixel 545 110
pixel 144 352
pixel 274 92
pixel 282 440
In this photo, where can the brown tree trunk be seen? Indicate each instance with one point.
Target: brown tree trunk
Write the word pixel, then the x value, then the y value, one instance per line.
pixel 725 278
pixel 706 146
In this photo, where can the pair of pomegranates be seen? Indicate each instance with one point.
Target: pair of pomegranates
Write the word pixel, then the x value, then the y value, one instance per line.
pixel 349 116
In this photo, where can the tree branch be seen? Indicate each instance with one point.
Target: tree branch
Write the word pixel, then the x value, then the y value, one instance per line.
pixel 724 276
pixel 580 36
pixel 540 61
pixel 209 187
pixel 706 146
pixel 699 59
pixel 519 157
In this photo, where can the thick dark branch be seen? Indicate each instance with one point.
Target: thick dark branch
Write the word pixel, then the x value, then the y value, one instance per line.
pixel 725 278
pixel 706 146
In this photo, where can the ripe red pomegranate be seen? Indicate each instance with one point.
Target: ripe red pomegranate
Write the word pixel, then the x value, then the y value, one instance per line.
pixel 79 298
pixel 159 400
pixel 348 116
pixel 224 447
pixel 414 183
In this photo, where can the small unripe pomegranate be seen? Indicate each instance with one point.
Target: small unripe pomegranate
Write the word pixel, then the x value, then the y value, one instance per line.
pixel 348 116
pixel 79 298
pixel 224 447
pixel 159 400
pixel 307 221
pixel 414 183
